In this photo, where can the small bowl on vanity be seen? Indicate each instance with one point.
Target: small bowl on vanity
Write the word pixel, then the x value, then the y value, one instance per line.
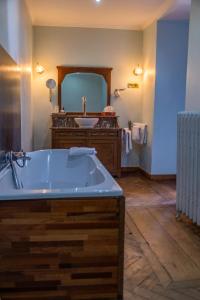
pixel 86 122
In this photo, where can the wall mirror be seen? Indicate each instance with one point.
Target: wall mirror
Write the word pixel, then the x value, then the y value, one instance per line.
pixel 76 82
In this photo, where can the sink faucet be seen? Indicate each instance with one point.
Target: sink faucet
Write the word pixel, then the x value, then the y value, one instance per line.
pixel 8 158
pixel 84 102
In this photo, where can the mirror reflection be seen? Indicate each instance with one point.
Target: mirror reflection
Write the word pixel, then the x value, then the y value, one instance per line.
pixel 76 85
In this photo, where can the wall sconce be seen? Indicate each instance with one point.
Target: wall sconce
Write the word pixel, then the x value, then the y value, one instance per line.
pixel 39 69
pixel 50 84
pixel 138 71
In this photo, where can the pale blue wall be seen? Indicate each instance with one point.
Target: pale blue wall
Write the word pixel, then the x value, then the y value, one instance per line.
pixel 170 92
pixel 77 85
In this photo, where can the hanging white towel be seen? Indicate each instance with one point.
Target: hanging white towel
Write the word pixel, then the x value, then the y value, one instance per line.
pixel 140 133
pixel 78 151
pixel 127 140
pixel 136 132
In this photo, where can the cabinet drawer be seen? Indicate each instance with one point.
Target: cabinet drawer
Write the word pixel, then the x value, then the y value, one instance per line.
pixel 67 134
pixel 107 143
pixel 62 144
pixel 106 152
pixel 103 134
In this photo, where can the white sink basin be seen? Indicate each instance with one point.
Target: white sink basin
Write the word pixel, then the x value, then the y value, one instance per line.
pixel 86 122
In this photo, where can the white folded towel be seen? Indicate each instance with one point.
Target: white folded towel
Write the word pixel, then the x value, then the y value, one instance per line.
pixel 78 151
pixel 127 140
pixel 140 133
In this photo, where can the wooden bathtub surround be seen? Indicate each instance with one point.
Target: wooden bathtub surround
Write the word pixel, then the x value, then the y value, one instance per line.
pixel 62 249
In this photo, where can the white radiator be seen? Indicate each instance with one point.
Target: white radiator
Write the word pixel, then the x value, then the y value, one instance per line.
pixel 188 165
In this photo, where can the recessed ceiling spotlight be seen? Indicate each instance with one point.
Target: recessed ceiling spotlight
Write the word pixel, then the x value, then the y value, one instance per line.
pixel 98 0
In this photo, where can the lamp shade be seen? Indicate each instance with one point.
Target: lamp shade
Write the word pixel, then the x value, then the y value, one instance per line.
pixel 39 69
pixel 138 71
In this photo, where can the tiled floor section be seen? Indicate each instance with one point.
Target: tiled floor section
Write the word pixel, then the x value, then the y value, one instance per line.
pixel 162 256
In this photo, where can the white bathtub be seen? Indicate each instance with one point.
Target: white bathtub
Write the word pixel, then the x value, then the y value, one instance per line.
pixel 54 174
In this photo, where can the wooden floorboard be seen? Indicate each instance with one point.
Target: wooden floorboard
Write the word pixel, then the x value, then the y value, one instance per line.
pixel 178 264
pixel 189 244
pixel 162 255
pixel 159 270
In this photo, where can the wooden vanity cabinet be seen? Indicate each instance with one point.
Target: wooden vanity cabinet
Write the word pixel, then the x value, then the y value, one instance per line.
pixel 106 141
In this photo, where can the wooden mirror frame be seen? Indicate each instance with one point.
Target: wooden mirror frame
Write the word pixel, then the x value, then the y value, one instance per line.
pixel 64 70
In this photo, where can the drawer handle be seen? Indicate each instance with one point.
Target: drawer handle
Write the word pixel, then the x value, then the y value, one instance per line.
pixel 69 134
pixel 97 134
pixel 104 134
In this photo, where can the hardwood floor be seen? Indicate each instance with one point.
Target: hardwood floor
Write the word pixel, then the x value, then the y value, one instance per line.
pixel 162 255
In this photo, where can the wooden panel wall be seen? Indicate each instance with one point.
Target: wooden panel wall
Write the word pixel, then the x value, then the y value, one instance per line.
pixel 61 249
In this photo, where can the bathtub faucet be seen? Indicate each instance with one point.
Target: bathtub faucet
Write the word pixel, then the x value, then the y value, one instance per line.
pixel 8 158
pixel 19 156
pixel 17 181
pixel 3 160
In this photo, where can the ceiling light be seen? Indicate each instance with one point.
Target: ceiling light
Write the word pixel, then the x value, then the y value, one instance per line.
pixel 98 0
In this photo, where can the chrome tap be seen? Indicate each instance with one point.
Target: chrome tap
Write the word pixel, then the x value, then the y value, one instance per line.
pixel 17 181
pixel 3 160
pixel 20 156
pixel 8 158
pixel 84 102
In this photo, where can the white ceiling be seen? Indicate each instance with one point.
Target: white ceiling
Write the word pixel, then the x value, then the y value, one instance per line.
pixel 121 14
pixel 180 10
